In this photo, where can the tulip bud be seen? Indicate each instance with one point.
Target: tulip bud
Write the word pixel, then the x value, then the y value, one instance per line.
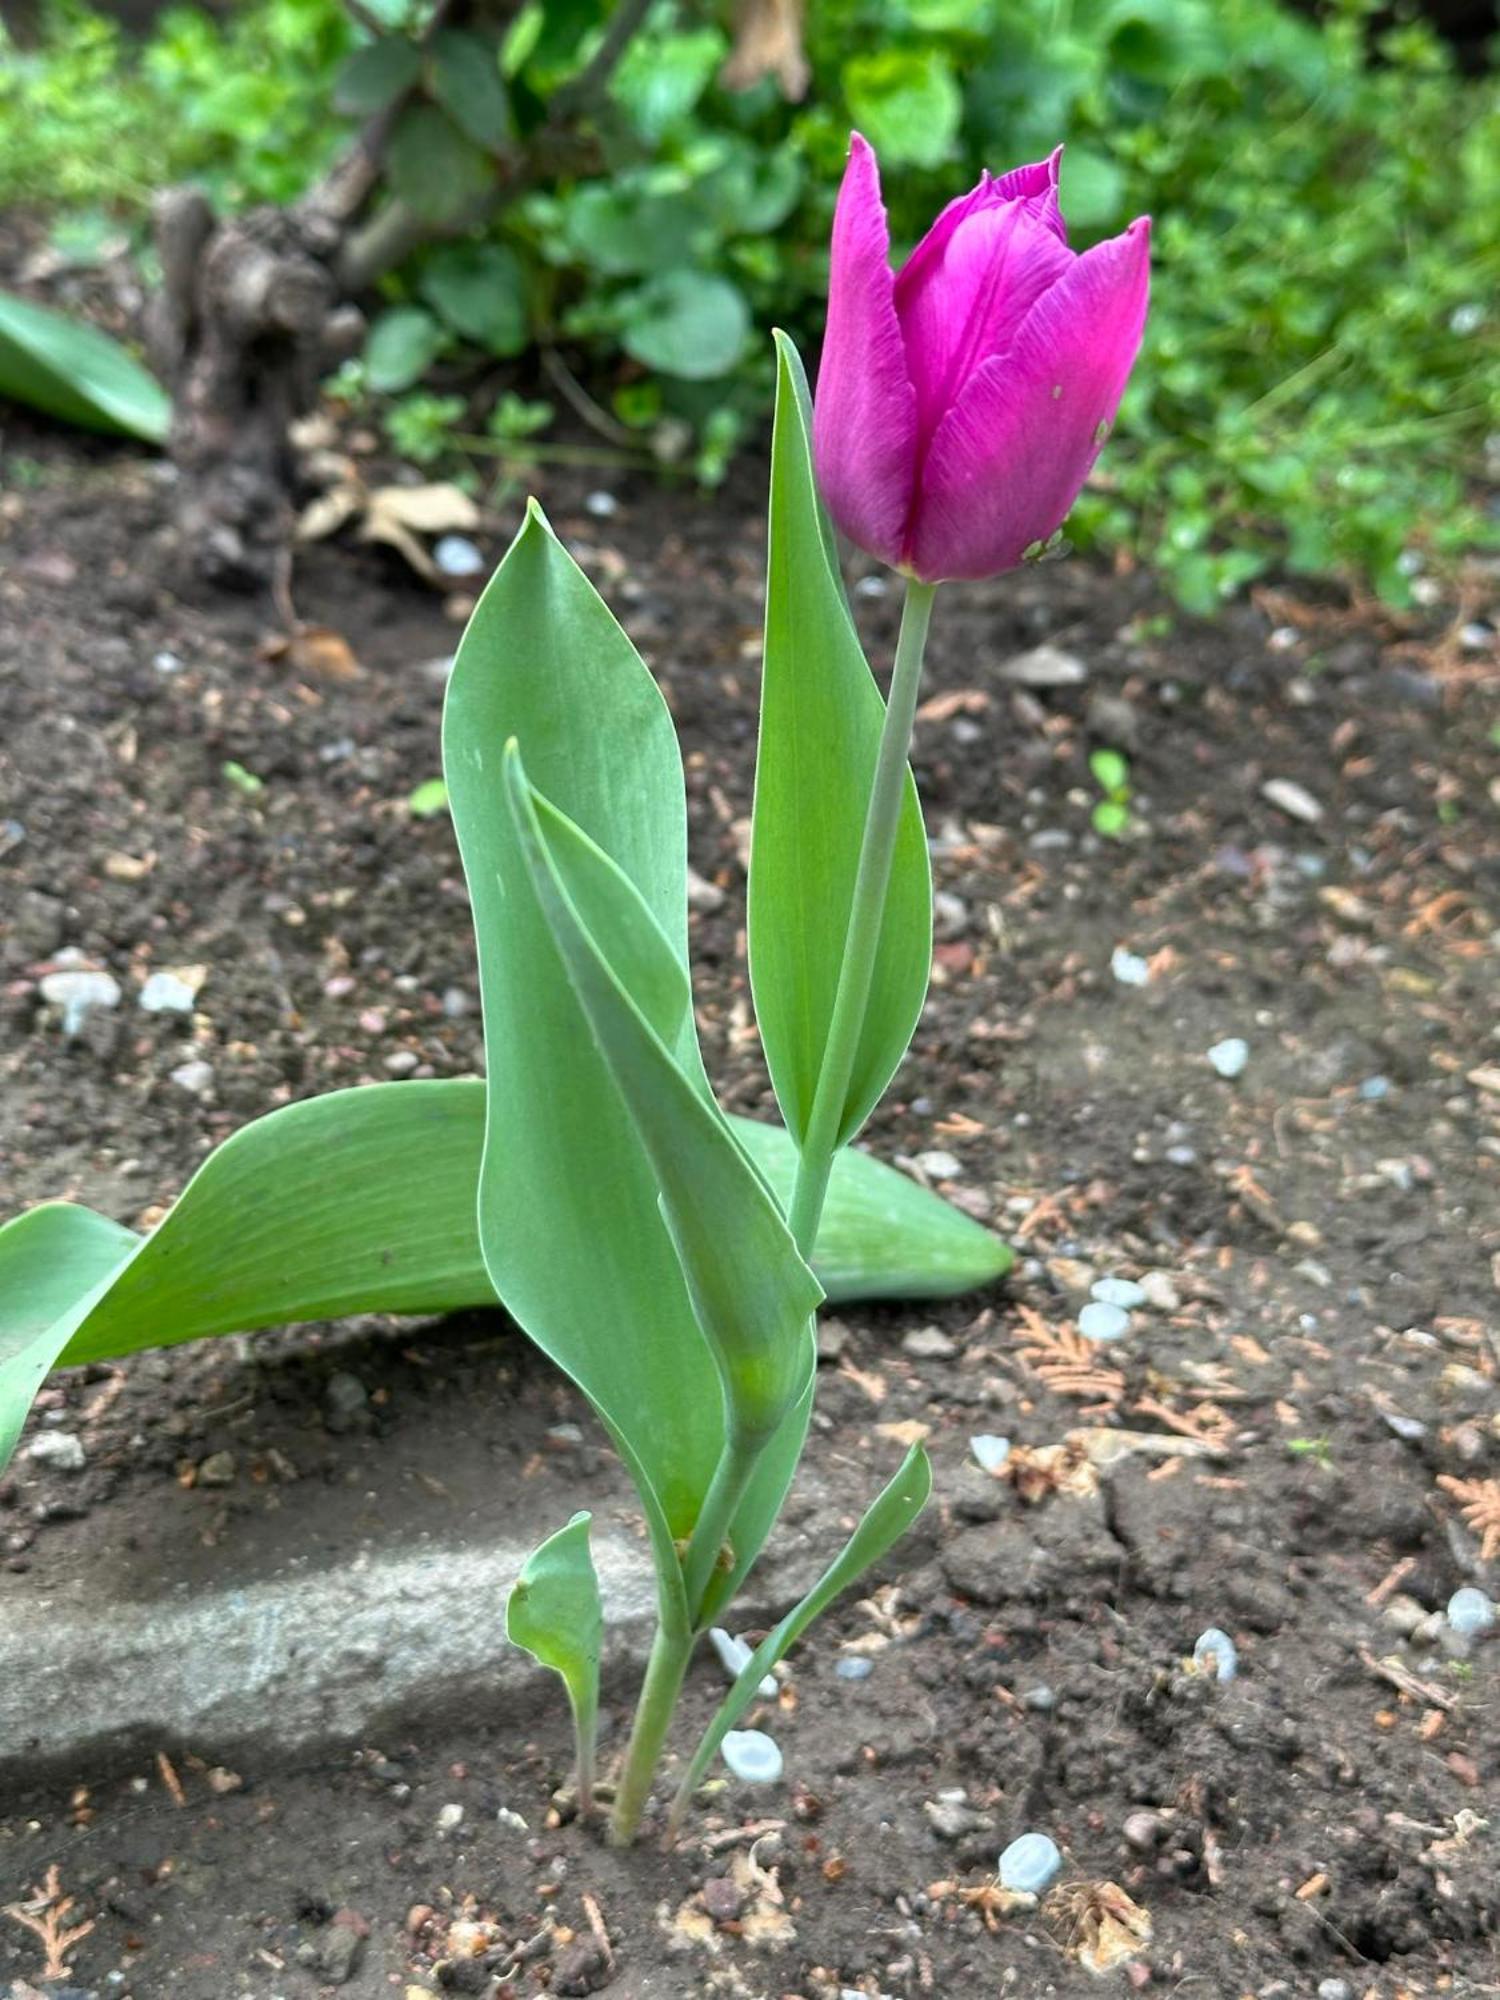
pixel 962 402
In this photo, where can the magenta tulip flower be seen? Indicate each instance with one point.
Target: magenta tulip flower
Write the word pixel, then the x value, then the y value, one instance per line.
pixel 963 400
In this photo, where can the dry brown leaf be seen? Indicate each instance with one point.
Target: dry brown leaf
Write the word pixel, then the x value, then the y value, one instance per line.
pixel 906 1433
pixel 1107 1927
pixel 315 649
pixel 324 516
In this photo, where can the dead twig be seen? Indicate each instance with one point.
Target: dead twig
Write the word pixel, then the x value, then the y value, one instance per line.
pixel 1406 1682
pixel 46 1917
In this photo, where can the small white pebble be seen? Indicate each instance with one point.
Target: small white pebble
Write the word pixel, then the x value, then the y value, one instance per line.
pixel 1470 1611
pixel 1229 1057
pixel 854 1668
pixel 1030 1865
pixel 991 1451
pixel 450 1818
pixel 1101 1321
pixel 1128 968
pixel 456 555
pixel 59 1449
pixel 197 1077
pixel 752 1757
pixel 734 1657
pixel 1117 1292
pixel 167 993
pixel 1215 1653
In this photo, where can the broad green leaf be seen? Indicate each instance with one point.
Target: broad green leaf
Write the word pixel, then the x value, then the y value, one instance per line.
pixel 374 76
pixel 821 715
pixel 400 347
pixel 466 82
pixel 660 80
pixel 554 1612
pixel 906 102
pixel 427 800
pixel 73 371
pixel 625 226
pixel 264 1235
pixel 753 1297
pixel 887 1519
pixel 568 1217
pixel 433 167
pixel 1093 188
pixel 686 323
pixel 480 290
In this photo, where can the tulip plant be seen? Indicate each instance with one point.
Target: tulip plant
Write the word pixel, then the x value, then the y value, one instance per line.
pixel 671 1259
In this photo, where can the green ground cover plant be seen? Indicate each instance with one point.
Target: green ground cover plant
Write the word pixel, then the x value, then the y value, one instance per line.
pixel 1325 365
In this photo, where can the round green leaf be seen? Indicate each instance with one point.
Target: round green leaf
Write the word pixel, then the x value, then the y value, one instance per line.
pixel 402 345
pixel 906 102
pixel 434 167
pixel 375 76
pixel 480 290
pixel 687 323
pixel 466 82
pixel 1092 188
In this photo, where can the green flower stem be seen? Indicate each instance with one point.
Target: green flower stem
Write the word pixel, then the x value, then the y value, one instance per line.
pixel 670 1652
pixel 866 914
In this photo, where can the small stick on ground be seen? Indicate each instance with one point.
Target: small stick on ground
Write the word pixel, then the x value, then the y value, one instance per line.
pixel 46 1917
pixel 1389 1583
pixel 1401 1678
pixel 170 1779
pixel 596 1925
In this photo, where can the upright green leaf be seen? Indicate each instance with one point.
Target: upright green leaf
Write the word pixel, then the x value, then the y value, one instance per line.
pixel 886 1520
pixel 569 1222
pixel 373 76
pixel 436 168
pixel 555 1614
pixel 265 1234
pixel 73 371
pixel 466 82
pixel 820 725
pixel 752 1295
pixel 480 290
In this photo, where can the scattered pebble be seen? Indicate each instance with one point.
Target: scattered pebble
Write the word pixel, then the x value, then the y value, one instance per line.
pixel 601 505
pixel 752 1757
pixel 1102 1321
pixel 167 993
pixel 1045 667
pixel 1041 1698
pixel 1215 1653
pixel 218 1469
pixel 1293 799
pixel 456 555
pixel 991 1451
pixel 1181 1156
pixel 702 895
pixel 929 1343
pixel 941 1166
pixel 58 1449
pixel 1470 1611
pixel 1229 1057
pixel 1128 968
pixel 1408 1429
pixel 1117 1292
pixel 166 663
pixel 1161 1292
pixel 854 1667
pixel 735 1656
pixel 77 989
pixel 1030 1865
pixel 196 1077
pixel 401 1062
pixel 951 1817
pixel 1335 1989
pixel 451 1818
pixel 1374 1088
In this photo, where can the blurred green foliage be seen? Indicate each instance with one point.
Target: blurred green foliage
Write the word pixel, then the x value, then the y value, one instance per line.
pixel 1323 359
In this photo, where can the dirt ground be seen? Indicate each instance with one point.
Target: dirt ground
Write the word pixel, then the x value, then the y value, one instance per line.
pixel 1314 868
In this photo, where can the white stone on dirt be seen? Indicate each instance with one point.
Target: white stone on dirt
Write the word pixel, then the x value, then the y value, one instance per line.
pixel 1128 968
pixel 702 895
pixel 854 1668
pixel 450 1818
pixel 941 1166
pixel 195 1077
pixel 79 990
pixel 1101 1321
pixel 1216 1653
pixel 928 1343
pixel 752 1756
pixel 456 555
pixel 1045 667
pixel 1117 1292
pixel 735 1656
pixel 1030 1865
pixel 1292 799
pixel 991 1451
pixel 1161 1292
pixel 167 993
pixel 58 1449
pixel 1470 1611
pixel 1229 1057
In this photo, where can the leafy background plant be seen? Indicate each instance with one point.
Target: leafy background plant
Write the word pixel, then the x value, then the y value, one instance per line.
pixel 1322 365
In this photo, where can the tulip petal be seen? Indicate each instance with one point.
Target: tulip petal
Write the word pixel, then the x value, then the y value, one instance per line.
pixel 970 298
pixel 1010 457
pixel 1036 183
pixel 864 421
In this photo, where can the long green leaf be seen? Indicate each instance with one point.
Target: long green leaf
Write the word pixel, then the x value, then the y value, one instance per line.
pixel 820 729
pixel 886 1520
pixel 366 1201
pixel 569 1221
pixel 752 1295
pixel 70 370
pixel 555 1614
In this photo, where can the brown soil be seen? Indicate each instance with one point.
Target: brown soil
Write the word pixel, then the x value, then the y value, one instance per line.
pixel 1327 1224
